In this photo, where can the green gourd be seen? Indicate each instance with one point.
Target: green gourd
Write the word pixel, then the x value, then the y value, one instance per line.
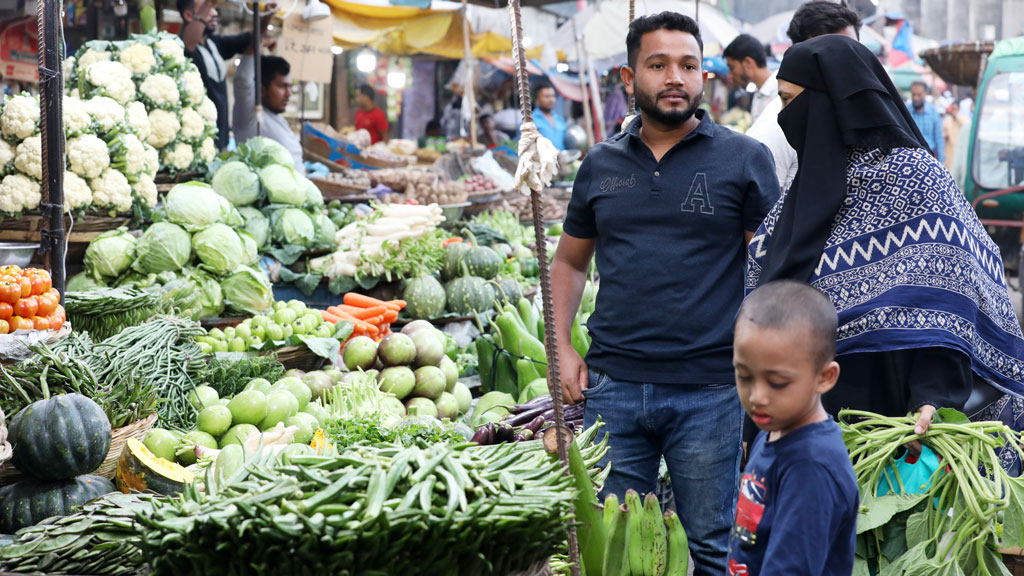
pixel 30 501
pixel 60 437
pixel 425 298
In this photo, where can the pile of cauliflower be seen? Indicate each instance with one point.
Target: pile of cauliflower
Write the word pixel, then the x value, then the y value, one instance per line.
pixel 131 109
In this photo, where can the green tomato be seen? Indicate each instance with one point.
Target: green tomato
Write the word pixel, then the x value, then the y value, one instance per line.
pixel 285 316
pixel 205 339
pixel 255 342
pixel 274 333
pixel 237 345
pixel 205 347
pixel 301 326
pixel 280 305
pixel 298 305
pixel 259 332
pixel 260 322
pixel 243 331
pixel 287 331
pixel 229 332
pixel 314 318
pixel 324 331
pixel 220 346
pixel 216 334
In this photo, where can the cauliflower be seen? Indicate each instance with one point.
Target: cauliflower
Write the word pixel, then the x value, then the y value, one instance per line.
pixel 6 154
pixel 192 86
pixel 192 125
pixel 112 190
pixel 208 110
pixel 18 193
pixel 29 157
pixel 20 117
pixel 112 79
pixel 87 155
pixel 145 190
pixel 128 155
pixel 76 192
pixel 68 66
pixel 138 58
pixel 91 57
pixel 152 157
pixel 76 116
pixel 163 128
pixel 171 50
pixel 208 151
pixel 109 115
pixel 138 119
pixel 160 89
pixel 179 157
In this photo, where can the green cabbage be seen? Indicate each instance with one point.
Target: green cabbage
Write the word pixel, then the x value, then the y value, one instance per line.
pixel 247 291
pixel 236 182
pixel 219 248
pixel 83 283
pixel 182 298
pixel 325 231
pixel 256 224
pixel 163 247
pixel 283 185
pixel 314 198
pixel 260 152
pixel 211 297
pixel 249 248
pixel 110 254
pixel 292 227
pixel 194 206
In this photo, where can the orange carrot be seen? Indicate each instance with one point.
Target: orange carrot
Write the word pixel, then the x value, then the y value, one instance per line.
pixel 356 322
pixel 376 320
pixel 390 316
pixel 396 305
pixel 452 240
pixel 365 313
pixel 363 301
pixel 328 317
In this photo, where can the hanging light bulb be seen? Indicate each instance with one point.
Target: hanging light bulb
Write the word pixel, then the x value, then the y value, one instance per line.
pixel 562 67
pixel 396 80
pixel 366 61
pixel 337 50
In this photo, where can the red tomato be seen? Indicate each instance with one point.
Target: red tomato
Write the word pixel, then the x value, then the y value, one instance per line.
pixel 55 321
pixel 4 327
pixel 26 287
pixel 46 305
pixel 26 307
pixel 54 293
pixel 40 323
pixel 10 292
pixel 10 270
pixel 6 311
pixel 19 323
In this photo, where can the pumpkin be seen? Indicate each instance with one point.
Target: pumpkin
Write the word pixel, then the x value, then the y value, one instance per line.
pixel 469 295
pixel 506 290
pixel 138 469
pixel 30 501
pixel 451 268
pixel 482 261
pixel 60 437
pixel 424 297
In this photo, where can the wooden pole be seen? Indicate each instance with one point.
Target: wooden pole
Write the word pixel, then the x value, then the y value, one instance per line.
pixel 581 60
pixel 598 106
pixel 51 90
pixel 257 31
pixel 469 92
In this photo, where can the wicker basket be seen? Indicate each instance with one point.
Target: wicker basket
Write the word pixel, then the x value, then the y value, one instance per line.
pixel 332 190
pixel 5 446
pixel 27 227
pixel 297 358
pixel 118 438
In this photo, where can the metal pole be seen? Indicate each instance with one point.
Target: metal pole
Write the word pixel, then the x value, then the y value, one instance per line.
pixel 631 110
pixel 257 31
pixel 51 89
pixel 469 94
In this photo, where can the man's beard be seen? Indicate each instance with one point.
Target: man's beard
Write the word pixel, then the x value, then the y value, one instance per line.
pixel 918 105
pixel 673 118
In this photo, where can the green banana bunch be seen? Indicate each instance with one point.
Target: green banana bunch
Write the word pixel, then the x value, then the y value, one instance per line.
pixel 641 541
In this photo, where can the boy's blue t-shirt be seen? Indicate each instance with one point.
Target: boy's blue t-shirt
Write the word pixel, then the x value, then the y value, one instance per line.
pixel 797 510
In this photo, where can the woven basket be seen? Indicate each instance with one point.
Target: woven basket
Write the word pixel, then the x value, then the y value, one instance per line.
pixel 5 446
pixel 27 227
pixel 342 192
pixel 118 438
pixel 297 357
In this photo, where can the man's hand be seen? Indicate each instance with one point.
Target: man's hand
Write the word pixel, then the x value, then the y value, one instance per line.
pixel 924 421
pixel 573 371
pixel 204 8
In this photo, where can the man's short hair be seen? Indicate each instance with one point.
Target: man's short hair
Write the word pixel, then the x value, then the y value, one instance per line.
pixel 664 21
pixel 820 17
pixel 368 91
pixel 746 46
pixel 791 305
pixel 271 67
pixel 185 5
pixel 922 84
pixel 541 87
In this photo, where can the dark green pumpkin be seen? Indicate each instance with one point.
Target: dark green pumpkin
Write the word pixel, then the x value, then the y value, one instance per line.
pixel 60 437
pixel 483 262
pixel 425 298
pixel 507 290
pixel 469 295
pixel 29 502
pixel 451 267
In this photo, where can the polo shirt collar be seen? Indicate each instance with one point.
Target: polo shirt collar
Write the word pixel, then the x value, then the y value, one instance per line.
pixel 706 126
pixel 770 87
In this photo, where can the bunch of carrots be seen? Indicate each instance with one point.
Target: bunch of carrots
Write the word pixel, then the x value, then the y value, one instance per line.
pixel 369 316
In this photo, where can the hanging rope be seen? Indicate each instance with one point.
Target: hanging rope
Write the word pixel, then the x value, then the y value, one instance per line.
pixel 538 162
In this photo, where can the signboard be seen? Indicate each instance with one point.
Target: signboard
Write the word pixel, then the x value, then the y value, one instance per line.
pixel 19 50
pixel 307 47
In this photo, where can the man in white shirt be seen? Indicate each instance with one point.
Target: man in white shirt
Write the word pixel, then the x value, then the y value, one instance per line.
pixel 748 64
pixel 275 76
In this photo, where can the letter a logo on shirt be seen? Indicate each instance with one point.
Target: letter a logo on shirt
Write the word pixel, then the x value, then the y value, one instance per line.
pixel 698 194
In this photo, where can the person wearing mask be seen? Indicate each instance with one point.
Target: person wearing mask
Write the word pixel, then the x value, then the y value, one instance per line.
pixel 208 51
pixel 667 207
pixel 811 19
pixel 276 90
pixel 927 119
pixel 369 117
pixel 549 123
pixel 748 65
pixel 951 126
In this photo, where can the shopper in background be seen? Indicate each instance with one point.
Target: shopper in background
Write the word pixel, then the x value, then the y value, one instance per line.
pixel 276 90
pixel 369 117
pixel 952 123
pixel 748 64
pixel 927 119
pixel 549 123
pixel 814 18
pixel 209 50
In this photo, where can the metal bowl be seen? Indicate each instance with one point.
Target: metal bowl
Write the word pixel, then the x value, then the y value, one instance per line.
pixel 17 253
pixel 452 212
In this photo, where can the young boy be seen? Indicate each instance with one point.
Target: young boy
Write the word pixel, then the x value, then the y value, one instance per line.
pixel 797 510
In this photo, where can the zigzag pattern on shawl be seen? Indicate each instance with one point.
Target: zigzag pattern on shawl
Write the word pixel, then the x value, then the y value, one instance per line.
pixel 954 229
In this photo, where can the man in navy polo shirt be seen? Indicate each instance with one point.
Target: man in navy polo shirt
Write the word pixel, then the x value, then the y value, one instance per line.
pixel 669 206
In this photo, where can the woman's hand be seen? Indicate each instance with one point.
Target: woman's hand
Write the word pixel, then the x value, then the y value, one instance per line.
pixel 924 421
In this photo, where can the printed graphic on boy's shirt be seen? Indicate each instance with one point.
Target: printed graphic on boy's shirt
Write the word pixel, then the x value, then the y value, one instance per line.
pixel 749 510
pixel 737 569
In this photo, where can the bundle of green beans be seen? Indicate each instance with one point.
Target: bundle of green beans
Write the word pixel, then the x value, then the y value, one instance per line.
pixel 382 510
pixel 100 539
pixel 954 523
pixel 162 352
pixel 103 312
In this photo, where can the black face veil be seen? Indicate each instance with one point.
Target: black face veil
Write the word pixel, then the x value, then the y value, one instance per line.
pixel 848 101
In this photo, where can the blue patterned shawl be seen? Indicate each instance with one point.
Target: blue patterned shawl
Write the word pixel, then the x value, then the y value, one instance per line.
pixel 909 265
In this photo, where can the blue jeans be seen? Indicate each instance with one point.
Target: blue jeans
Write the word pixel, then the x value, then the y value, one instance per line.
pixel 697 430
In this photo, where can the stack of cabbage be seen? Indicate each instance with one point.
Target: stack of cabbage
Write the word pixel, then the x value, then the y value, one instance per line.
pixel 167 103
pixel 192 240
pixel 282 209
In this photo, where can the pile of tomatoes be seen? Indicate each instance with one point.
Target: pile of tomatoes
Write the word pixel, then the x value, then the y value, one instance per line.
pixel 28 301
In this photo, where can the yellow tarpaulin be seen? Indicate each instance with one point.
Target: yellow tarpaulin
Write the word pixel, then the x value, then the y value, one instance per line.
pixel 403 30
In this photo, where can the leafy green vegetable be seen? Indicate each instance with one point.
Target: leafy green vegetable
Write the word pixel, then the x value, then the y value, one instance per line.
pixel 260 152
pixel 228 376
pixel 211 297
pixel 369 431
pixel 247 290
pixel 83 282
pixel 283 185
pixel 110 254
pixel 238 183
pixel 194 206
pixel 163 247
pixel 219 247
pixel 256 224
pixel 292 227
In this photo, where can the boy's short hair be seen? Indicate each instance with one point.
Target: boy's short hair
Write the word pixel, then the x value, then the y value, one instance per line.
pixel 367 90
pixel 788 304
pixel 820 17
pixel 663 21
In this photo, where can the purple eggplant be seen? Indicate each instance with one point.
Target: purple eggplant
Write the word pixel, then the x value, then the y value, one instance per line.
pixel 524 435
pixel 504 433
pixel 485 435
pixel 535 424
pixel 524 417
pixel 543 401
